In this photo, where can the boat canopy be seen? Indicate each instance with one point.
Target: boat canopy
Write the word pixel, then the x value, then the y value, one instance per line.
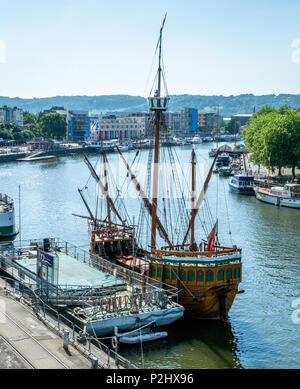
pixel 241 177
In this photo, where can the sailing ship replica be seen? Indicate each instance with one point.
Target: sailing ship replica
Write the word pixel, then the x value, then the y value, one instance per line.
pixel 207 274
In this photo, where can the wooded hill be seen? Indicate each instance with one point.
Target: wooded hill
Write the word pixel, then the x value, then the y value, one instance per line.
pixel 229 105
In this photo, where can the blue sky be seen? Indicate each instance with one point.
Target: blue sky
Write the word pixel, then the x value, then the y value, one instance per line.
pixel 96 47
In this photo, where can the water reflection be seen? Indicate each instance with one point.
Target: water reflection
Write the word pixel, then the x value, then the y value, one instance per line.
pixel 193 344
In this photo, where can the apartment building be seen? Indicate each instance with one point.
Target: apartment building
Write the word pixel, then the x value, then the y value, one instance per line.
pixel 11 115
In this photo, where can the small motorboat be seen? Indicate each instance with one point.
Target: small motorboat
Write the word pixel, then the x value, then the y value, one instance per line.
pixel 137 337
pixel 225 171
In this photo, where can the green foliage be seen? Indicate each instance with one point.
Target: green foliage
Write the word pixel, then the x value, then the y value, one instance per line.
pixel 274 134
pixel 233 126
pixel 30 122
pixel 53 125
pixel 5 134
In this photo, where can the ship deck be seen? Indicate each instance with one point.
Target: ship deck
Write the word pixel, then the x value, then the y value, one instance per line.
pixel 73 272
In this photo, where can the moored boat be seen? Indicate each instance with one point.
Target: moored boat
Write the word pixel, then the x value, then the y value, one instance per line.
pixel 242 184
pixel 142 337
pixel 225 171
pixel 8 230
pixel 282 196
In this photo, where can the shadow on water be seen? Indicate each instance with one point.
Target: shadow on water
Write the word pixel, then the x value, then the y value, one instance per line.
pixel 192 344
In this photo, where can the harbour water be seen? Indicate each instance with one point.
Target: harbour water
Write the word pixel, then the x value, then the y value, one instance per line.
pixel 261 333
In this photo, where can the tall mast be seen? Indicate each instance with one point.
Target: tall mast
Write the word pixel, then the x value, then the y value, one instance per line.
pixel 218 126
pixel 106 190
pixel 193 198
pixel 157 104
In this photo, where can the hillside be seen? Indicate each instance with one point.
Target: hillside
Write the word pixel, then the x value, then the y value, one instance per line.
pixel 229 105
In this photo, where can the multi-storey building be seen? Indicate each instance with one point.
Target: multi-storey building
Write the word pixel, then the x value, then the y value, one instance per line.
pixel 208 121
pixel 78 122
pixel 123 128
pixel 172 120
pixel 11 115
pixel 243 118
pixel 188 121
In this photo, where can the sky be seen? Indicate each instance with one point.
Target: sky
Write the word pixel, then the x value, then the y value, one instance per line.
pixel 97 47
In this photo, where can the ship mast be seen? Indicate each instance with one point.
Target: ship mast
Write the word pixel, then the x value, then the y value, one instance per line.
pixel 158 104
pixel 106 190
pixel 193 199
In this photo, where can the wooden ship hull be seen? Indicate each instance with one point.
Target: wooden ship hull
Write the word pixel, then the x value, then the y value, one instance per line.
pixel 206 293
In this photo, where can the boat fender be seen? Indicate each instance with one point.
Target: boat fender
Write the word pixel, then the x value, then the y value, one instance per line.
pixel 114 342
pixel 134 311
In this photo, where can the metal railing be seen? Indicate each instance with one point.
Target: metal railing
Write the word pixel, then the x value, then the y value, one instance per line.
pixel 87 345
pixel 140 289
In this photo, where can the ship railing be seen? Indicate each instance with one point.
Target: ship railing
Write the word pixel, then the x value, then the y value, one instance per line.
pixel 179 250
pixel 123 304
pixel 88 345
pixel 51 292
pixel 131 277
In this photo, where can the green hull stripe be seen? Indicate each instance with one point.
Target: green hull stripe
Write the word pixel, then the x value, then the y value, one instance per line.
pixel 6 230
pixel 212 262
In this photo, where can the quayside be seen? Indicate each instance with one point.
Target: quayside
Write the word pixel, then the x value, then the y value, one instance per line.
pixel 97 294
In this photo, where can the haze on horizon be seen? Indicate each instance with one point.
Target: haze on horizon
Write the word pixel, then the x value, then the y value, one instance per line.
pixel 96 47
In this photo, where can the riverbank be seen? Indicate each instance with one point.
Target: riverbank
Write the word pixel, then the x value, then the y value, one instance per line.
pixel 261 173
pixel 59 152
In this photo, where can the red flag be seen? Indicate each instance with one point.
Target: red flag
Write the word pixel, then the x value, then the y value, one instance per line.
pixel 212 237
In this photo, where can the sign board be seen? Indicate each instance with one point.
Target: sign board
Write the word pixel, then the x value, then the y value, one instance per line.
pixel 45 258
pixel 47 267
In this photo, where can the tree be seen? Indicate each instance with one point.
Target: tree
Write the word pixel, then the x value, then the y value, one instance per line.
pixel 274 134
pixel 5 134
pixel 233 126
pixel 53 125
pixel 24 135
pixel 30 122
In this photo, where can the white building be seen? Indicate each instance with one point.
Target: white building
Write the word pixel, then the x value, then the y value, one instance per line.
pixel 123 128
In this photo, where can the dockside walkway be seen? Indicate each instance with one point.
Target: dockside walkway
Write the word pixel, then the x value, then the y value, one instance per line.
pixel 29 340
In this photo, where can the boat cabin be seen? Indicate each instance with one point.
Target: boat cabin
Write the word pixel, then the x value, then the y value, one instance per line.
pixel 288 190
pixel 242 184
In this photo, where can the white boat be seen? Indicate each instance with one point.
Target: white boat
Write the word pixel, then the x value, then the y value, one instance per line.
pixel 137 337
pixel 8 231
pixel 283 196
pixel 196 140
pixel 225 171
pixel 123 148
pixel 207 139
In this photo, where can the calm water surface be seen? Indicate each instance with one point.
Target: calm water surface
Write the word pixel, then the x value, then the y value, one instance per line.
pixel 261 333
